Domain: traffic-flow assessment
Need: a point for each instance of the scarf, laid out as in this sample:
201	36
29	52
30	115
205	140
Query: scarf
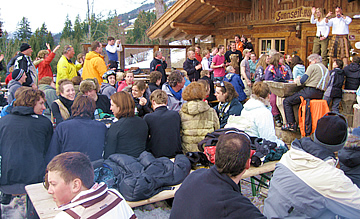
177	95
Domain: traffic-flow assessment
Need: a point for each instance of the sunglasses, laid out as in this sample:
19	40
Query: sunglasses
240	132
221	84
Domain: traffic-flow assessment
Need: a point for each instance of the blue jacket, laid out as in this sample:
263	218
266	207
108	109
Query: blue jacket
236	81
78	134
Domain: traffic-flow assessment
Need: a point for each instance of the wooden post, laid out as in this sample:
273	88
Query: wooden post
193	42
122	58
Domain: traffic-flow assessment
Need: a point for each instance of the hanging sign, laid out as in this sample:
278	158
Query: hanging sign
295	14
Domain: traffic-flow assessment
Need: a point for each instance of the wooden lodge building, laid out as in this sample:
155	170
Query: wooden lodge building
283	25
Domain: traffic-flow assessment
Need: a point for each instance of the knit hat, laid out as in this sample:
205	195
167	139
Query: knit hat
24	46
17	74
331	131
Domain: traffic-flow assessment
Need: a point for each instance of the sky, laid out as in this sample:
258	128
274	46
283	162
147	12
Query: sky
54	13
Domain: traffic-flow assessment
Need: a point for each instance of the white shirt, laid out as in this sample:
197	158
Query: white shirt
340	26
113	48
323	28
205	64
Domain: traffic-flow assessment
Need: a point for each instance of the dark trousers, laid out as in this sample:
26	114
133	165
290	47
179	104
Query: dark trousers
335	103
306	93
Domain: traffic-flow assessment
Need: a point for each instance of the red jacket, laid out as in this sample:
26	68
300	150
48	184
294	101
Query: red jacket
44	68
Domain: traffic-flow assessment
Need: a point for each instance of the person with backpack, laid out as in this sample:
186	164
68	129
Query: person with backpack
334	91
315	81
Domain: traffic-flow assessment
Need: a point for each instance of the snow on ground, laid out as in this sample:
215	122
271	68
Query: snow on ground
178	57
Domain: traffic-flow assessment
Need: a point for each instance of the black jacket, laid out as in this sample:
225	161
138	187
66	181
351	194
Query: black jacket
25	138
159	65
24	62
206	193
211	96
143	177
352	74
189	67
126	136
103	103
56	110
142	110
153	86
339	78
164	132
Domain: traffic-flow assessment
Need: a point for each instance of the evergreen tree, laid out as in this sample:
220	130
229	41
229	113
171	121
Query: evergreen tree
67	31
142	23
23	30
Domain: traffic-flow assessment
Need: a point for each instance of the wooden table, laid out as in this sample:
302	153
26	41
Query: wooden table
46	207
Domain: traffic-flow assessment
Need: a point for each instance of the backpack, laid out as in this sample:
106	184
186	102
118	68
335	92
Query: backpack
310	111
261	150
208	145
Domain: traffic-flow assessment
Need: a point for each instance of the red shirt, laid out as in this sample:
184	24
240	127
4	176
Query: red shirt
198	57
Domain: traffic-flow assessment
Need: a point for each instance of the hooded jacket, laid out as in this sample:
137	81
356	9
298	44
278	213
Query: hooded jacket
256	120
50	95
352	74
12	86
173	103
107	89
25	138
307	184
94	66
236	81
197	119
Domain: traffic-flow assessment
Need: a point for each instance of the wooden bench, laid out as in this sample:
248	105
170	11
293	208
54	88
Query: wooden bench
46	207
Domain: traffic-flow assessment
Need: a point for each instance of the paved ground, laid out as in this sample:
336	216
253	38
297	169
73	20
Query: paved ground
159	210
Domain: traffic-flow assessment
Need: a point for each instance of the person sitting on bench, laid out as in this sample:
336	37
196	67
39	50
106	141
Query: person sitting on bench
315	80
70	180
214	192
306	182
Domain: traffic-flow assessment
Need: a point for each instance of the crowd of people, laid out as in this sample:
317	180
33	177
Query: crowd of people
55	127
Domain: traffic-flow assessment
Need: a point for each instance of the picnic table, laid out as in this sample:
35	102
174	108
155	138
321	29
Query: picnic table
46	207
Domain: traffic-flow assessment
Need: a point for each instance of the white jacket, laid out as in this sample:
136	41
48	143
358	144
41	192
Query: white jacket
256	120
100	202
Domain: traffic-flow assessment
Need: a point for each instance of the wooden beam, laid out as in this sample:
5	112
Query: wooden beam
228	9
189	26
198	32
229	3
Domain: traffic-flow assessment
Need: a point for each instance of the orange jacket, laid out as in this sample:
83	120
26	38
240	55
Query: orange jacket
94	66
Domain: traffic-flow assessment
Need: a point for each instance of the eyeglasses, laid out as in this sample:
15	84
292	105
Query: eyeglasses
221	84
240	132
